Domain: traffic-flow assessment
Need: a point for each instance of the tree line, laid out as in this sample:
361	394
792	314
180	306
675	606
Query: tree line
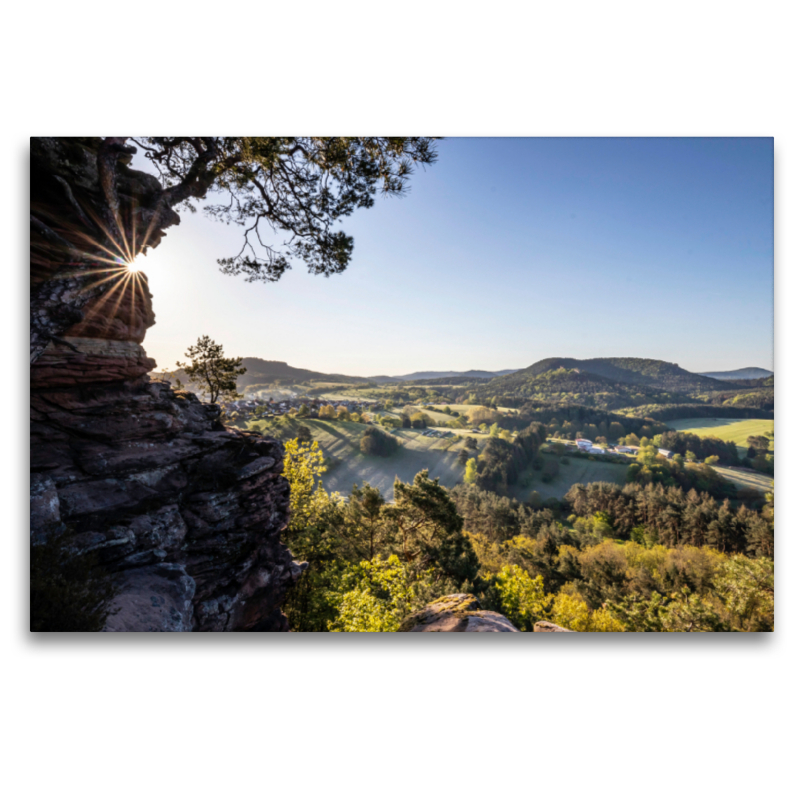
501	462
670	516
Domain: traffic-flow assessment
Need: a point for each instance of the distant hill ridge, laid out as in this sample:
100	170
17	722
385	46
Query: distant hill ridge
744	374
262	371
592	374
611	375
423	376
643	371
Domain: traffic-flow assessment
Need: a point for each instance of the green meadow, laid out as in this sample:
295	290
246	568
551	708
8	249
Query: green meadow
747	479
729	430
578	470
348	465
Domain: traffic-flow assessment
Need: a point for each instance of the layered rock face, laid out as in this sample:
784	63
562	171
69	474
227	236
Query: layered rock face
185	513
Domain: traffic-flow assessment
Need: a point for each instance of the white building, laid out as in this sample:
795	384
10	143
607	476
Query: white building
583	444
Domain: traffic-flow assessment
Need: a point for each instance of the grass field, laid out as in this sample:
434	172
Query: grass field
729	430
747	480
333	397
579	470
460	407
436	416
340	442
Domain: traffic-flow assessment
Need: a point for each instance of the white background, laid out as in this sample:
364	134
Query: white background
384	717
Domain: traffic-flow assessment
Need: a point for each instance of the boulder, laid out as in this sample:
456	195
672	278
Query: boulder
462	613
543	626
456	613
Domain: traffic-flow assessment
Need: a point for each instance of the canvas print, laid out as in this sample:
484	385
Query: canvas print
401	384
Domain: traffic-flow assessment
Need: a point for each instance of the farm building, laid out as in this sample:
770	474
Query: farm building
583	444
665	453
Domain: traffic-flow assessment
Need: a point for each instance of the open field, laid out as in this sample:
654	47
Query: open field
340	442
436	416
460	407
579	470
333	397
746	479
729	430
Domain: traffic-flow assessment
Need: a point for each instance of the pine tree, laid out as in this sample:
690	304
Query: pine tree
211	371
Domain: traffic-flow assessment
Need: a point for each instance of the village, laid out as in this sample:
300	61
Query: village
267	408
587	446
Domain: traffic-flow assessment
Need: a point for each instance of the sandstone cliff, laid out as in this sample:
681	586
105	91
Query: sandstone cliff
187	514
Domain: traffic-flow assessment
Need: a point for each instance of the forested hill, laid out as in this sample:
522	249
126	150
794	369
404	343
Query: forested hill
745	374
608	383
422	376
261	371
660	375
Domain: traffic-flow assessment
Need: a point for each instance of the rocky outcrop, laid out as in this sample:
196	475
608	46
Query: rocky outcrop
462	613
90	213
543	626
185	513
456	613
151	482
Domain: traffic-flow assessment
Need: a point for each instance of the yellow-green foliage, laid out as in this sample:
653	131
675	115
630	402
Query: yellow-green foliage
523	598
491	554
471	471
569	610
360	610
302	466
615	586
378	594
524	601
747	587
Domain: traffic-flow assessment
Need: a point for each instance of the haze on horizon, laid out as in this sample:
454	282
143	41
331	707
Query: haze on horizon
505	252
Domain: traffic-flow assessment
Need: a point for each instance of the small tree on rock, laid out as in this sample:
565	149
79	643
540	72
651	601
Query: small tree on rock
214	374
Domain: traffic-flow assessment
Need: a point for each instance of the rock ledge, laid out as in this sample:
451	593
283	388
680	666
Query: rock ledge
456	613
462	613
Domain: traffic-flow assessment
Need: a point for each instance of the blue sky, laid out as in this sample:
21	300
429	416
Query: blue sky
505	252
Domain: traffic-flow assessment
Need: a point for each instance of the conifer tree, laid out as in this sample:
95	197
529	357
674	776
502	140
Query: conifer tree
211	371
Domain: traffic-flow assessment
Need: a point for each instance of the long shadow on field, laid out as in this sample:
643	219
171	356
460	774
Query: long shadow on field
332	430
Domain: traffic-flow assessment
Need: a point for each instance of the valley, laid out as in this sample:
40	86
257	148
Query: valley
456	406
